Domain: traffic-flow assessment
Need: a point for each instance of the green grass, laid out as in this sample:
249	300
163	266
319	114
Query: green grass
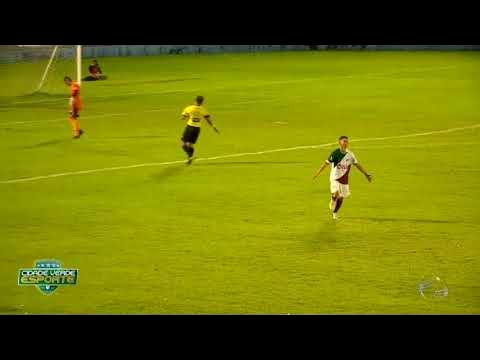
248	234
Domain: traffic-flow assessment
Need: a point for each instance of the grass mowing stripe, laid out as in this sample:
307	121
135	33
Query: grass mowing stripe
305	147
265	83
130	113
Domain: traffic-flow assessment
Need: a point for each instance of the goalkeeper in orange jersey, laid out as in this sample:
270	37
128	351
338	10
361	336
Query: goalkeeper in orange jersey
76	105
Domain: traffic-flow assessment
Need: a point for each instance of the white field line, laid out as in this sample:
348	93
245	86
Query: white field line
265	83
416	146
446	131
155	164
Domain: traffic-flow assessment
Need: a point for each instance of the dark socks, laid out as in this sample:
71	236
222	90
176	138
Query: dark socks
188	150
338	205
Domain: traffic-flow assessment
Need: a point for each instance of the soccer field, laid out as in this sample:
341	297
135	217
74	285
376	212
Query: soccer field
245	229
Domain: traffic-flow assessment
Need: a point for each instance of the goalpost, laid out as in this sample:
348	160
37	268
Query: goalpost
79	64
53	57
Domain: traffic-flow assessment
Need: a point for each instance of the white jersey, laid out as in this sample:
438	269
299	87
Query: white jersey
341	165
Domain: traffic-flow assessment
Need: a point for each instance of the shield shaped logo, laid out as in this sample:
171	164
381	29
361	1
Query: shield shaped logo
47	276
47	264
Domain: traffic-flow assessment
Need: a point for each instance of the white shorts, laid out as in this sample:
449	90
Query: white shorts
343	190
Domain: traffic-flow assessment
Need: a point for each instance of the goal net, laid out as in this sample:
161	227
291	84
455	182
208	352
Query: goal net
38	69
50	70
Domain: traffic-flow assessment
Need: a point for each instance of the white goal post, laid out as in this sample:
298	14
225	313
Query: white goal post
55	51
79	64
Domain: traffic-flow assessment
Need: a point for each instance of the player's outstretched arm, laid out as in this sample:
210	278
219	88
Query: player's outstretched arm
321	170
211	124
364	172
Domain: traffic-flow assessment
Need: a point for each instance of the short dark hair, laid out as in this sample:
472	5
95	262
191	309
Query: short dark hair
67	78
199	99
343	138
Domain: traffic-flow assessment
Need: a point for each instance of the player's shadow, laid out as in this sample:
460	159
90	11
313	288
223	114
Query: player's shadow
135	137
323	239
45	143
418	221
169	172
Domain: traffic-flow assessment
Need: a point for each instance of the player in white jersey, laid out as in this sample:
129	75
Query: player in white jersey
341	161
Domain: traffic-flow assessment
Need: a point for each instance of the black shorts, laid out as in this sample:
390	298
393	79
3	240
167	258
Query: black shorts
191	134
